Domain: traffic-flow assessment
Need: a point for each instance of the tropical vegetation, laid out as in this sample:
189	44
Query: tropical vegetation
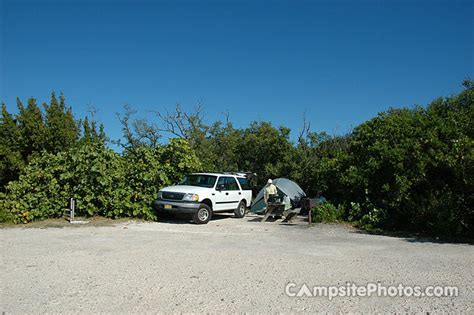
408	169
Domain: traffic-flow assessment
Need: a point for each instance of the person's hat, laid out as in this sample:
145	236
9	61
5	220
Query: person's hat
270	181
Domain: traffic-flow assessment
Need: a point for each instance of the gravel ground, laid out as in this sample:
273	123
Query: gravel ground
229	265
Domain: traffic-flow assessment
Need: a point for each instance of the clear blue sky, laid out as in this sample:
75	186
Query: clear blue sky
340	61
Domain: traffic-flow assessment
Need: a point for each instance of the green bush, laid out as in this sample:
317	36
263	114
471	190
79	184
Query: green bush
5	214
327	212
417	165
102	182
366	216
90	174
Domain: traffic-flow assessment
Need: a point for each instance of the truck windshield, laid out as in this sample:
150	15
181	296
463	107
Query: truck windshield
207	181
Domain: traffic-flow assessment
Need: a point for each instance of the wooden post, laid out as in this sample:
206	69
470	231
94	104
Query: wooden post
73	208
310	214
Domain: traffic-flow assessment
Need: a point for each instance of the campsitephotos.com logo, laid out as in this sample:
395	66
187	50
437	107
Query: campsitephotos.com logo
351	289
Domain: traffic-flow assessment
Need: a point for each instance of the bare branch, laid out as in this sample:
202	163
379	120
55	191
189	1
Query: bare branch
137	132
92	110
182	124
303	135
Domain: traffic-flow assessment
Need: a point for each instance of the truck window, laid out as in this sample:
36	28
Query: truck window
199	180
231	183
221	182
244	183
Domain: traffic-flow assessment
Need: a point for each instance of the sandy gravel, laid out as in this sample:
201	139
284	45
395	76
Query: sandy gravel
229	265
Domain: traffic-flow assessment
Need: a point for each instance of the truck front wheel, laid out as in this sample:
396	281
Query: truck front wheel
203	214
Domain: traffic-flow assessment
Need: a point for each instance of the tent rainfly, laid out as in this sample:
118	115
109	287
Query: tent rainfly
285	187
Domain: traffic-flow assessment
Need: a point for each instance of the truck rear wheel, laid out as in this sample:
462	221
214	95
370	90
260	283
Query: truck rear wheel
240	211
203	214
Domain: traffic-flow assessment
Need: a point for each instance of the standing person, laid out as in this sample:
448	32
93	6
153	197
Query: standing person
270	191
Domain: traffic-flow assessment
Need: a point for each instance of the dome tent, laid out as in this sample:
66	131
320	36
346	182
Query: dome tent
285	187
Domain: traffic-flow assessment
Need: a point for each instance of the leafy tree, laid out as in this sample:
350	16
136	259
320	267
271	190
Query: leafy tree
223	148
62	131
265	150
415	165
319	162
32	128
31	131
90	132
11	160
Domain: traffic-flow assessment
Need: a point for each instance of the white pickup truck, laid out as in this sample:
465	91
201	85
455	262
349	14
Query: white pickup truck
202	194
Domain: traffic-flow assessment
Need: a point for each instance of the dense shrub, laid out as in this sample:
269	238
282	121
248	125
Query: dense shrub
102	182
327	212
411	169
366	216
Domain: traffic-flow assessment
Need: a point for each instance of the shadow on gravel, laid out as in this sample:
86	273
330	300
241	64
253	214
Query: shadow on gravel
299	221
440	241
417	238
259	219
186	219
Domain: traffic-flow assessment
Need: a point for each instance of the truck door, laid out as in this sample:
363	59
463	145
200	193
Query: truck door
234	193
226	194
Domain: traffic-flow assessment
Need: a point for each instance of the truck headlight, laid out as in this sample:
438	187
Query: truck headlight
191	197
160	195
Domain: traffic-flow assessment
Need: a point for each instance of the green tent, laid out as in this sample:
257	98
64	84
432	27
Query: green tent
285	187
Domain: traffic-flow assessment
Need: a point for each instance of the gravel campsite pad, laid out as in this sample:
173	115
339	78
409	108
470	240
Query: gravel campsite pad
228	265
